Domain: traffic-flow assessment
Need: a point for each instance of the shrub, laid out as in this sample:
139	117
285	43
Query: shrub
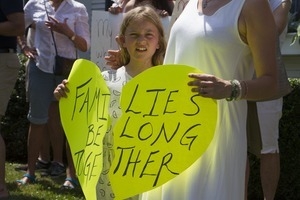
14	125
289	142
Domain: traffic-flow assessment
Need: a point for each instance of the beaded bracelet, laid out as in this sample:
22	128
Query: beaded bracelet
236	91
244	89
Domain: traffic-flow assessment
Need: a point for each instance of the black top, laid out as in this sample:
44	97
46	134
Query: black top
7	7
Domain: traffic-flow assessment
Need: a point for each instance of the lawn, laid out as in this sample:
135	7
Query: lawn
45	187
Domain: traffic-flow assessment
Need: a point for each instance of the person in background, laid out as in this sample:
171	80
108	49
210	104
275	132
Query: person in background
269	114
163	7
280	18
68	19
26	44
11	25
143	45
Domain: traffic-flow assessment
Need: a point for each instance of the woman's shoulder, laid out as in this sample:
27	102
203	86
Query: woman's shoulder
255	10
256	6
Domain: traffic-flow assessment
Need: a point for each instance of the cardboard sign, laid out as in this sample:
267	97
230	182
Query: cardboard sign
163	130
84	116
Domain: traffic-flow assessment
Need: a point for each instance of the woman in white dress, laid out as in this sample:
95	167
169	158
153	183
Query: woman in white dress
224	39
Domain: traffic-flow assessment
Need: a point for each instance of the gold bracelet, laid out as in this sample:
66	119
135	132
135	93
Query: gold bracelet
244	89
73	37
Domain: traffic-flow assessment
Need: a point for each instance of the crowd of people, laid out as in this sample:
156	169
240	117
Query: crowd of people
226	39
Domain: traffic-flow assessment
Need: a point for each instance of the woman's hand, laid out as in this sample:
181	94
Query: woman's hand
210	86
113	59
29	52
162	13
61	90
59	27
115	9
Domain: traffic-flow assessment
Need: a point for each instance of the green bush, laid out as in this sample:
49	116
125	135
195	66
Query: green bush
15	128
14	125
289	143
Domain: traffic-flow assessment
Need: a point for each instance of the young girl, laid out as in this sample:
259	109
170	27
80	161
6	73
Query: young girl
142	45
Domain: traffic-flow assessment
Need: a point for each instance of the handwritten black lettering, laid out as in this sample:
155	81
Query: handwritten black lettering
121	157
170	100
197	108
165	161
85	159
128	109
85	102
163	130
191	138
123	134
157	91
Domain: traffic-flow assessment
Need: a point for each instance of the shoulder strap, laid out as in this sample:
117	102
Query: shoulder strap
50	29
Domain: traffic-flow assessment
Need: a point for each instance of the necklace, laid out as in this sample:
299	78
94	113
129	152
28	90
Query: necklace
204	4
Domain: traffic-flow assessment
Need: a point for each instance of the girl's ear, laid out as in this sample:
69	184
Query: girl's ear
120	40
157	46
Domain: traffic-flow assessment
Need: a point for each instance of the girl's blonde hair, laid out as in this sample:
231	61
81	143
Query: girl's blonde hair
145	12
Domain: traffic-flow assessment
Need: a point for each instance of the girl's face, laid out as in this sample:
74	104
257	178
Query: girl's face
141	40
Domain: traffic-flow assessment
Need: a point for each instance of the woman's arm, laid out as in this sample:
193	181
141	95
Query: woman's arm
281	15
257	26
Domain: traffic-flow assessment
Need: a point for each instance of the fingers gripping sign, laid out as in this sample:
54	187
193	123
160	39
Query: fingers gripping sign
84	115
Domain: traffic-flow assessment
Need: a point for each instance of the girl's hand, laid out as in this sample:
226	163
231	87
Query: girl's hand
210	86
61	90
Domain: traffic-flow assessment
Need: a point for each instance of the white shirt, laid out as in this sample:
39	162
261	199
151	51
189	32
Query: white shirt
77	21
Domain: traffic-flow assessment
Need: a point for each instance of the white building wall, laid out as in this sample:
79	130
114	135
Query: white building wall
97	4
291	57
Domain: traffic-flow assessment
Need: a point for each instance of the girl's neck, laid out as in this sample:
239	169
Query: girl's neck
134	69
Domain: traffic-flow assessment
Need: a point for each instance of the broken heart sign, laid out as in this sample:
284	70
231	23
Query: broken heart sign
164	129
84	116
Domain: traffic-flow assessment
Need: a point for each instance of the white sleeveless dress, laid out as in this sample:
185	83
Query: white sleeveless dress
212	44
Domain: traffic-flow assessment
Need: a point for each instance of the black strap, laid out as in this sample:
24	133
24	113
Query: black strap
50	29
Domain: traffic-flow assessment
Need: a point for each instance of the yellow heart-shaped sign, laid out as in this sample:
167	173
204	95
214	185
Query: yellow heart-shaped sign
164	128
84	116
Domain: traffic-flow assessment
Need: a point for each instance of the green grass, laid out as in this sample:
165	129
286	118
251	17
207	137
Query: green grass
44	188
